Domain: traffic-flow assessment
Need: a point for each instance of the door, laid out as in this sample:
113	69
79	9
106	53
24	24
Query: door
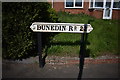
107	13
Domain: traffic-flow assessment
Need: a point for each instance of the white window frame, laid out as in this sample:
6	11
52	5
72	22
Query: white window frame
113	7
74	4
103	5
94	4
52	3
90	4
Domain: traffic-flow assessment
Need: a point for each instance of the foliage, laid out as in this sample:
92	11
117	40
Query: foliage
18	40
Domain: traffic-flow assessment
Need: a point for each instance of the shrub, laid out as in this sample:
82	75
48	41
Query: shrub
18	39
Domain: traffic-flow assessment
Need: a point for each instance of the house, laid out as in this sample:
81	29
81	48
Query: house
103	9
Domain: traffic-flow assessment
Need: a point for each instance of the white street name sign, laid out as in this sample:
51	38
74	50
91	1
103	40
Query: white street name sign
60	27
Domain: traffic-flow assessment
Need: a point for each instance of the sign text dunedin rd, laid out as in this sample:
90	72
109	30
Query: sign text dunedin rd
60	27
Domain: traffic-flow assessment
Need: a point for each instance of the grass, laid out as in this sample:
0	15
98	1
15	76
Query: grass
65	44
103	38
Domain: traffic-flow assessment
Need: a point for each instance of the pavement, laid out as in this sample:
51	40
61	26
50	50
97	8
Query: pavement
103	67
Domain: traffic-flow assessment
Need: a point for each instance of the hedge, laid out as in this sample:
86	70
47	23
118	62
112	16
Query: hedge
18	39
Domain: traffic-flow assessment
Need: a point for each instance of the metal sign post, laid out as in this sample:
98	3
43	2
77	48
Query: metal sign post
82	51
39	36
61	27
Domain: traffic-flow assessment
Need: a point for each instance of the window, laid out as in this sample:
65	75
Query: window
96	3
91	3
74	4
116	4
108	4
78	3
69	3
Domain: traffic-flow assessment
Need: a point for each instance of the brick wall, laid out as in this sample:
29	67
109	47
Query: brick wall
58	6
116	14
98	13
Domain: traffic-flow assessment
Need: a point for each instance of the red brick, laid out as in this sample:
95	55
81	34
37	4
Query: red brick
98	13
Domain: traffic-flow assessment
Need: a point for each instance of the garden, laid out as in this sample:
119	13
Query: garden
19	41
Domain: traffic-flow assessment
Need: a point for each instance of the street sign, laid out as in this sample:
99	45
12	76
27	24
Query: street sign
60	27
